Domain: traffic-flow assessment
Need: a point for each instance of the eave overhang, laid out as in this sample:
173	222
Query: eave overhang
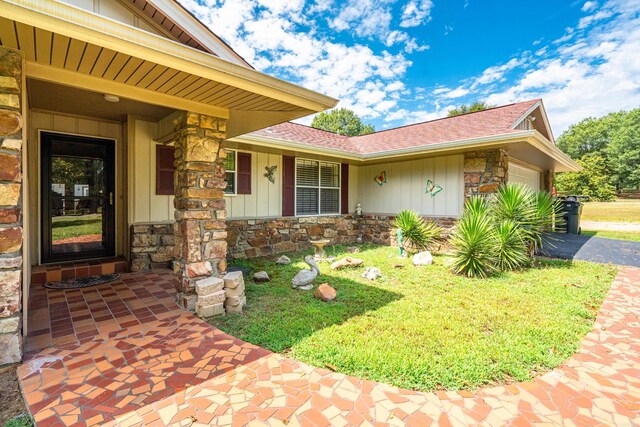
60	41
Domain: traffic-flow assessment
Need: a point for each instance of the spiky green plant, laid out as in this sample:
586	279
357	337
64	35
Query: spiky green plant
474	241
544	212
417	233
513	202
512	250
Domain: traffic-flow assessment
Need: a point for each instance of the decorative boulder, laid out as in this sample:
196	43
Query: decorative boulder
325	293
261	276
283	260
422	258
346	262
372	273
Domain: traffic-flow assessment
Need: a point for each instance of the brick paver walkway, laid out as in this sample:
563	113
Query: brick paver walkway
178	369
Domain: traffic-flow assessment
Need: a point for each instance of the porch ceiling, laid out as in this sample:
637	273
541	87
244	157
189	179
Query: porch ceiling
70	46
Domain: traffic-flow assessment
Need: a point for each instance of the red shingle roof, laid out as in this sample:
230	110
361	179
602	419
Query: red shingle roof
487	123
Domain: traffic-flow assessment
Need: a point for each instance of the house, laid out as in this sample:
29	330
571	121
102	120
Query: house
131	135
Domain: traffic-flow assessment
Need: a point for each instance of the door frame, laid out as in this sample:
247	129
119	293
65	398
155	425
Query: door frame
45	187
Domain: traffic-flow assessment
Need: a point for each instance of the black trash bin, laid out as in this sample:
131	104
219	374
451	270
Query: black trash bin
571	212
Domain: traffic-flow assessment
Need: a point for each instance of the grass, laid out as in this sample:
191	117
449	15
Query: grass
633	236
65	227
619	211
425	328
22	420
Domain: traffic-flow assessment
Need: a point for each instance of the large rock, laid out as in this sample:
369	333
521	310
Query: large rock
283	260
261	277
346	262
422	258
325	293
233	279
372	273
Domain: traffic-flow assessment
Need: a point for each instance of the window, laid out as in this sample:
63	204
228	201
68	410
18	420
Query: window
230	166
164	169
317	187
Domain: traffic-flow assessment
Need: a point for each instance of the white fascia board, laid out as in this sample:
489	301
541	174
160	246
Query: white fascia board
545	119
426	149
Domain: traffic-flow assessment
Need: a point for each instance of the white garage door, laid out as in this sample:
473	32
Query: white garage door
522	175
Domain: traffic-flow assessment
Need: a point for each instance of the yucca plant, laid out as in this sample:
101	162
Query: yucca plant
512	250
544	213
417	233
474	240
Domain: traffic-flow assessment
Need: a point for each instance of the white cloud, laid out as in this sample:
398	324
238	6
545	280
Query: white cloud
589	6
415	13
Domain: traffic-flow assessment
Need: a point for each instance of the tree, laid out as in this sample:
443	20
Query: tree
464	108
624	151
615	137
592	181
342	121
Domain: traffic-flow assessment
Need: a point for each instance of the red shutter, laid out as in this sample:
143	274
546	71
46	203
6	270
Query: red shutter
164	169
288	185
244	173
344	188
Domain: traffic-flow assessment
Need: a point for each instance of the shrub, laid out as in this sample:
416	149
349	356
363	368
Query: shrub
504	232
417	234
512	250
474	240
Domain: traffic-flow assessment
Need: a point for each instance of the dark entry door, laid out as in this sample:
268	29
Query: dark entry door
78	220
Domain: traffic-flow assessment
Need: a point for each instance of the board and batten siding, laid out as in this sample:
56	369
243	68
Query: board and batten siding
406	187
265	199
75	125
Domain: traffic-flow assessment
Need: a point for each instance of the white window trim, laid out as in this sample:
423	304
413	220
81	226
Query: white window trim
319	188
235	174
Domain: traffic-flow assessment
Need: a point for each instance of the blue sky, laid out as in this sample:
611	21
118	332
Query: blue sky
403	61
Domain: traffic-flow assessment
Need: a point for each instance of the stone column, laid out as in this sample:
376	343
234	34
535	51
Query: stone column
547	180
11	123
484	171
200	229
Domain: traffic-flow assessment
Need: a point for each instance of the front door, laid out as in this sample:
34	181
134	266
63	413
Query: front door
78	220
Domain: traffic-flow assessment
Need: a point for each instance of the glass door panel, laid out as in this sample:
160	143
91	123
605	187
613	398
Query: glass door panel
78	206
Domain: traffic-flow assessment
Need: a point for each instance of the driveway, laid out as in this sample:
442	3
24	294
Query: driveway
594	249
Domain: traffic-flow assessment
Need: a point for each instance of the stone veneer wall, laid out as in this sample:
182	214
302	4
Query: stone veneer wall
11	123
260	237
484	171
151	245
379	228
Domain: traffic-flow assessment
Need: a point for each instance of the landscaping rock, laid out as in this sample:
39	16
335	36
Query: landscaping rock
352	249
233	279
346	262
210	310
325	293
283	260
372	273
422	258
261	276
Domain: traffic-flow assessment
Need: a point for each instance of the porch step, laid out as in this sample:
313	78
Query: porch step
74	270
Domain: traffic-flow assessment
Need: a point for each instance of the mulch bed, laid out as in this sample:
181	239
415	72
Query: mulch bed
11	403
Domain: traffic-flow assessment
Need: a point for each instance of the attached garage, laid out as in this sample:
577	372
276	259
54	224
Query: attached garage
519	174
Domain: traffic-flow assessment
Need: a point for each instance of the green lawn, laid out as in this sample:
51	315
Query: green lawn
65	227
425	328
633	236
619	211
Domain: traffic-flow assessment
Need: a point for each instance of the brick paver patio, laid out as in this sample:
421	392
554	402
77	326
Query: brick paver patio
163	366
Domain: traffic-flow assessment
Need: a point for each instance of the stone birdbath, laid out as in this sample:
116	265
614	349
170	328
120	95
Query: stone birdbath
320	244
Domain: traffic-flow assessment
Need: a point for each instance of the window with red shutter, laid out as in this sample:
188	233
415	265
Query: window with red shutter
288	185
244	173
344	188
165	155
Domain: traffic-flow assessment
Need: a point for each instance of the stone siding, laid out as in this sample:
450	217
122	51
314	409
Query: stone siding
151	246
484	171
11	128
379	229
260	237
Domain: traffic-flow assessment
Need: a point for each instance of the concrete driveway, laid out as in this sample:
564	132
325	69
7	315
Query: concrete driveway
594	249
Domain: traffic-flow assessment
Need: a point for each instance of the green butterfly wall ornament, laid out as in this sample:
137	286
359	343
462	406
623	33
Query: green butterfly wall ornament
432	188
381	178
271	173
